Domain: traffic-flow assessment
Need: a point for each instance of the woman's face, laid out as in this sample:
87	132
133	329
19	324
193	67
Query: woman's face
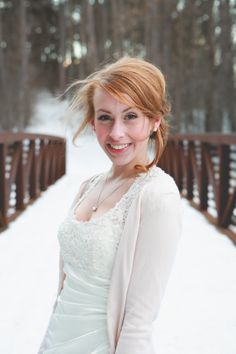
122	131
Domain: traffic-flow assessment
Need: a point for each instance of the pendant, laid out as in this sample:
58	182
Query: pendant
94	208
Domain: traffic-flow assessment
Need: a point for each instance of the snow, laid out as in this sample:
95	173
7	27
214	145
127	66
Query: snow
198	313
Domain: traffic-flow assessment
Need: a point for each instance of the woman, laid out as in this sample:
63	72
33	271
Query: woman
119	239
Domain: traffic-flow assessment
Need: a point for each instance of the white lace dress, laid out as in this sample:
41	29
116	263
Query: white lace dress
78	323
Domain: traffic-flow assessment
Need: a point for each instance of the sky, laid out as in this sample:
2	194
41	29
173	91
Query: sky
198	312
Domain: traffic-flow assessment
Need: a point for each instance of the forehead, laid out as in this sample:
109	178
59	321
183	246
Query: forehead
103	99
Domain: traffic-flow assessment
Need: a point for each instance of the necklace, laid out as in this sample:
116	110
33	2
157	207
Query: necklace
96	206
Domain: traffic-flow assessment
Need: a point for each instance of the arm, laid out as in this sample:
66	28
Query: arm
159	234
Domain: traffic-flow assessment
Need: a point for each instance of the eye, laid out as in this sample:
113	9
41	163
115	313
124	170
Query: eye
131	116
103	118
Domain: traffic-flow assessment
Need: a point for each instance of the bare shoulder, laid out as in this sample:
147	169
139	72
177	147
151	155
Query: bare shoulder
83	186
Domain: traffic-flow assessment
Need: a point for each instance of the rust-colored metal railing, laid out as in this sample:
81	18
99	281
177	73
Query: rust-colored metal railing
204	168
29	163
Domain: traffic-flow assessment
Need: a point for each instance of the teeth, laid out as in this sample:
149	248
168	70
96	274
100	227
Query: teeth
119	147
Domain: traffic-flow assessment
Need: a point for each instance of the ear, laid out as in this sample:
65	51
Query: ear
157	122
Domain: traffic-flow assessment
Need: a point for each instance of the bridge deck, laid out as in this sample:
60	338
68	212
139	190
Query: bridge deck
198	312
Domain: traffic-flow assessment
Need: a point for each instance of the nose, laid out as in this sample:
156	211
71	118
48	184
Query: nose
117	131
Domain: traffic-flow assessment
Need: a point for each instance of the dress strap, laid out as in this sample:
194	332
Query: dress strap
89	185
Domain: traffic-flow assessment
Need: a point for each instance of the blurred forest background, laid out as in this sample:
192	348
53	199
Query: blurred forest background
46	44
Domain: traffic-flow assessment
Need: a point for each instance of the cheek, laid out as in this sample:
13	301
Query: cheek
140	132
101	132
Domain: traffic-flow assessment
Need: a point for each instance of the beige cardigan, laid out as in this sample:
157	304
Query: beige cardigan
142	265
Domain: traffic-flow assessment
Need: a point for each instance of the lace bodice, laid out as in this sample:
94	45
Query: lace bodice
90	246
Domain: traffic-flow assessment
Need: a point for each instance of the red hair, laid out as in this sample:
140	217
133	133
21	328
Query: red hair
134	82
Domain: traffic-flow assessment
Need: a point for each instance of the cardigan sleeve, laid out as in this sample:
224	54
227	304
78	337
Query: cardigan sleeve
158	237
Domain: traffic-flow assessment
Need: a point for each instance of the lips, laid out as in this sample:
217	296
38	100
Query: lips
118	148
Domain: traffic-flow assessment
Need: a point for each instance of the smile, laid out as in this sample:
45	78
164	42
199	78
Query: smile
118	148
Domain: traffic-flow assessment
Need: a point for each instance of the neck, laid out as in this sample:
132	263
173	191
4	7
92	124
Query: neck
123	172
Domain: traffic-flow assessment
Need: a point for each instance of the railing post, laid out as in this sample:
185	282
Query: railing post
172	159
33	172
179	177
175	161
54	161
63	158
203	179
3	186
223	182
189	172
20	185
44	166
50	156
167	157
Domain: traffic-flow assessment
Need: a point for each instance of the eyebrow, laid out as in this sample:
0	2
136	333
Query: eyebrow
104	110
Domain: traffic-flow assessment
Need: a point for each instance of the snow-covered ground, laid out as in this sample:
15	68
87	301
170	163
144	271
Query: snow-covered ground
198	314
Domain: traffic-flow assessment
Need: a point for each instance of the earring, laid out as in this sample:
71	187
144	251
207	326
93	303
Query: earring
152	134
